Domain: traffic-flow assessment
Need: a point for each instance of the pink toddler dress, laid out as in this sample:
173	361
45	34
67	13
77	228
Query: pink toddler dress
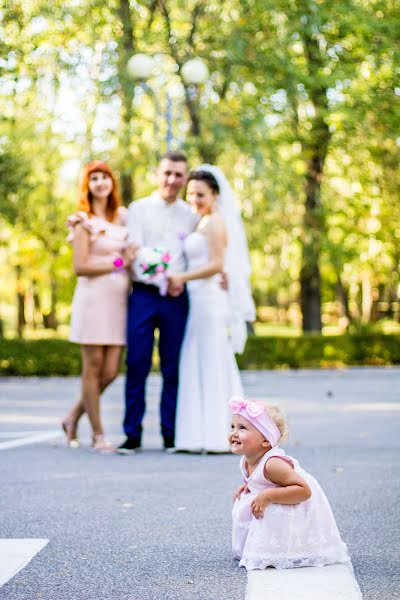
99	306
287	536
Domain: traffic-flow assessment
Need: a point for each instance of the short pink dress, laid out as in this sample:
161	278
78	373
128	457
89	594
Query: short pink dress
99	306
288	535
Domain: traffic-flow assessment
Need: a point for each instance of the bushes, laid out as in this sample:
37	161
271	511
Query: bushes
60	357
39	357
320	351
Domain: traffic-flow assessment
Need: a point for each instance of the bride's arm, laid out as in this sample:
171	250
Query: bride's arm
216	237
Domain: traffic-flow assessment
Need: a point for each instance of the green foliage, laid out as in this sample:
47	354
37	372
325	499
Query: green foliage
289	80
60	357
39	357
320	351
14	172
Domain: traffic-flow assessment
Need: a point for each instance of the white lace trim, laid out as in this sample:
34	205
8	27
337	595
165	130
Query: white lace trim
282	561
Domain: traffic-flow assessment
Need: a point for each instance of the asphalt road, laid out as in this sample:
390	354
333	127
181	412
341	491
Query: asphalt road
156	526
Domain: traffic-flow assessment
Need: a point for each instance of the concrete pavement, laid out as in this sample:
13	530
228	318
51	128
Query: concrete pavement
155	526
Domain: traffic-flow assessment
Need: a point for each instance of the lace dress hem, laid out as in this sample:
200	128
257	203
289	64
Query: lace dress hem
285	562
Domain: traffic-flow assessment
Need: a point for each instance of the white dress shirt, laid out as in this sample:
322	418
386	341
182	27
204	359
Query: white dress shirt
154	223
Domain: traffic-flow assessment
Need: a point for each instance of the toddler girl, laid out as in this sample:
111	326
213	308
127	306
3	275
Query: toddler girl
281	517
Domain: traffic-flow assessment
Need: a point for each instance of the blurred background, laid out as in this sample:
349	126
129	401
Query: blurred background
297	101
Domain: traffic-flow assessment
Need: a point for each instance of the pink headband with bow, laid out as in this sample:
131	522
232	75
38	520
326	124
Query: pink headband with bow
254	412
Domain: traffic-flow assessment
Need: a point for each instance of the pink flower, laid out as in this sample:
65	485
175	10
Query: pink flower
253	409
118	262
160	269
144	266
236	403
166	257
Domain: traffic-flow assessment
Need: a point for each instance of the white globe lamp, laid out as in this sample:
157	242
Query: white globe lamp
194	71
140	66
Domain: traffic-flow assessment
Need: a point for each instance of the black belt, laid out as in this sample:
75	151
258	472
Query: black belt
146	286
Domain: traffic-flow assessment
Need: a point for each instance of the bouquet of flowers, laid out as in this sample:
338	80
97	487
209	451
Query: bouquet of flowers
154	263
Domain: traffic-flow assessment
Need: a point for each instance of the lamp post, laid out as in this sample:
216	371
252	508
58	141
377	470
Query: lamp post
194	72
140	66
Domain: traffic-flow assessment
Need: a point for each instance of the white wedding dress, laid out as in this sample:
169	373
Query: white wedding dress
208	373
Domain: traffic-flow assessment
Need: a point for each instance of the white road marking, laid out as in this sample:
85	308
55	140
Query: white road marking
16	434
16	554
370	406
28	419
32	439
305	583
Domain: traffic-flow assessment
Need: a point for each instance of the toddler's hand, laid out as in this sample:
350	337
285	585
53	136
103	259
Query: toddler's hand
241	489
259	505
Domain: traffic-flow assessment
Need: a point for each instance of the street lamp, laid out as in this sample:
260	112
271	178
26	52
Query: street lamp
194	72
140	66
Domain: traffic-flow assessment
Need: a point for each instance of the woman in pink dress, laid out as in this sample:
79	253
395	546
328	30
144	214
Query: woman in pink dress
101	257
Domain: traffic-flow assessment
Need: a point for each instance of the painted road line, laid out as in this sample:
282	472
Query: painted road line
32	439
16	554
17	434
304	583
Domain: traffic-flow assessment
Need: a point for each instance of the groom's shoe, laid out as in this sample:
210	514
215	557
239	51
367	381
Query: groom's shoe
169	445
129	446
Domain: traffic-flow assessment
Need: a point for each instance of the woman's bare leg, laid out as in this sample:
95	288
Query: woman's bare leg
110	361
92	366
111	364
73	418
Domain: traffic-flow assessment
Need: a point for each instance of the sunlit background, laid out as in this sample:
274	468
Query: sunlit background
298	102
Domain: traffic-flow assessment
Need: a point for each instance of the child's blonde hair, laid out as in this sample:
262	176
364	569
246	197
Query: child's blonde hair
275	413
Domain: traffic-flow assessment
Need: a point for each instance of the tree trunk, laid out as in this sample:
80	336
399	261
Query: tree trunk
21	321
366	297
191	104
207	152
310	278
127	187
390	296
375	298
343	296
316	146
37	310
52	322
1	328
126	48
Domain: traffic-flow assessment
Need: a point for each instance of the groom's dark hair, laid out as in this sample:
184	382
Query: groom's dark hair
175	156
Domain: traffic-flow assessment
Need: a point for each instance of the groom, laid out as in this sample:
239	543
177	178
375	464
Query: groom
160	220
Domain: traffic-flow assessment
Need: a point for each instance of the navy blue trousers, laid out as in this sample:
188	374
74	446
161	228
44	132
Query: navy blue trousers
147	310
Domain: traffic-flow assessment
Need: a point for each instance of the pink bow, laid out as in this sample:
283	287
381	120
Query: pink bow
254	409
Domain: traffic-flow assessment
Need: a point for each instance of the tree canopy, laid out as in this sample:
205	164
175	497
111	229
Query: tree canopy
300	109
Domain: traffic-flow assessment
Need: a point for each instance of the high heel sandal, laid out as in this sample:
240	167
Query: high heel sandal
102	445
70	433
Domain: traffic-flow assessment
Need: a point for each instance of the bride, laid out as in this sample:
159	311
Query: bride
216	326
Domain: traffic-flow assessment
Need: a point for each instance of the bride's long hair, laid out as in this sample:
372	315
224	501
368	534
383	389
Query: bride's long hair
237	259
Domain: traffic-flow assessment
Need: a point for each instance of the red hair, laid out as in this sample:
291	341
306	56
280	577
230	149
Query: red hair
85	196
